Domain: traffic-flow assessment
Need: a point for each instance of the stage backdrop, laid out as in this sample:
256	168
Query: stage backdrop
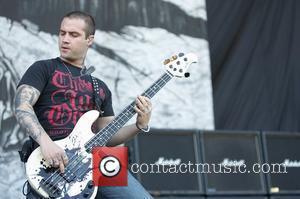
133	38
255	56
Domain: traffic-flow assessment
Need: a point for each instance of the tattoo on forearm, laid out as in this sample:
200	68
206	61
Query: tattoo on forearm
26	97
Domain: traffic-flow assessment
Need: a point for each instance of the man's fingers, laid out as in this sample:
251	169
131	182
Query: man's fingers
144	100
137	110
50	162
139	104
144	104
61	166
55	163
65	159
62	163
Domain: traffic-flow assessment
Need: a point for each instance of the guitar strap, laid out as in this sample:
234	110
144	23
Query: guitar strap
96	95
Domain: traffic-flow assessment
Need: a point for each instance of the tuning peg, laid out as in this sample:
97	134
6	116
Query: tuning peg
167	61
180	54
186	75
174	57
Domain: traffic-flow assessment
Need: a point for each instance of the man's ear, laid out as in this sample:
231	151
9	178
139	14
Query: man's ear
90	40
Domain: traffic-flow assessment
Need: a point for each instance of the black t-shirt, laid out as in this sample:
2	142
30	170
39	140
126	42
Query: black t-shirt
64	96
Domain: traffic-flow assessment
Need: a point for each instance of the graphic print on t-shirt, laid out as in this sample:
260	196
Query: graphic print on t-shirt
71	98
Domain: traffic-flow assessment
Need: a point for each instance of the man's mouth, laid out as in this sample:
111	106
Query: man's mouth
65	48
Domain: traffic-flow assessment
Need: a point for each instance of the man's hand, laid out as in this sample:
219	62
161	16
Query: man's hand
53	154
143	108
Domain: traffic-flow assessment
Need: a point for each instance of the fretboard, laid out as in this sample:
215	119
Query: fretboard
104	135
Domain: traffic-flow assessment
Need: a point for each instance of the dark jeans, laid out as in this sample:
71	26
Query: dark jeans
134	190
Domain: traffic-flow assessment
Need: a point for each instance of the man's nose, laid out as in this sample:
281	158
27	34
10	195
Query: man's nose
66	38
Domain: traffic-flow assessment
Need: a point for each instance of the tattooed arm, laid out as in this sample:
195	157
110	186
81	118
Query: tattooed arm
26	97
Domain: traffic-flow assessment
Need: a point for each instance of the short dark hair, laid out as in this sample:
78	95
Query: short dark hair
88	19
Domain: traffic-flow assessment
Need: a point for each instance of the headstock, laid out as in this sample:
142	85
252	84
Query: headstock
177	65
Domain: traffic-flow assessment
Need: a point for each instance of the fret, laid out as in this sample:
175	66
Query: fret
150	92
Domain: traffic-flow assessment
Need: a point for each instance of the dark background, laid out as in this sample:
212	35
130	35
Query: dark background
255	62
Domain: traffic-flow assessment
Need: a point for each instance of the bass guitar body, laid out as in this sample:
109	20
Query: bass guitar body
76	181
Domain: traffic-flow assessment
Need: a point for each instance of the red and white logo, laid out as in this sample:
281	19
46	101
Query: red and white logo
110	166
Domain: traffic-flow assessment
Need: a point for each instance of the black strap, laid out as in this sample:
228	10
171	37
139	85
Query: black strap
27	148
97	94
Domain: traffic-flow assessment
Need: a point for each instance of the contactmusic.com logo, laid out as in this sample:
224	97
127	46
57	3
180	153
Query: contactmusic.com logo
110	166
